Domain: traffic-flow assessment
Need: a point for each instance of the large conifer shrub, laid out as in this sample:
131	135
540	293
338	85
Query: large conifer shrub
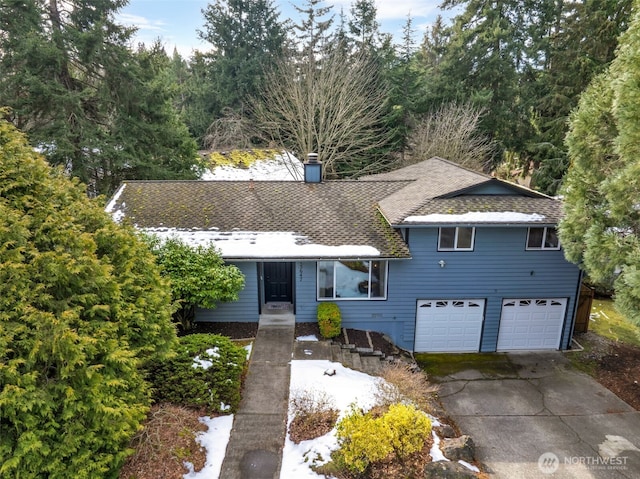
82	305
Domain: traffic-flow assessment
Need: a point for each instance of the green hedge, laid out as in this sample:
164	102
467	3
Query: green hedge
205	371
329	320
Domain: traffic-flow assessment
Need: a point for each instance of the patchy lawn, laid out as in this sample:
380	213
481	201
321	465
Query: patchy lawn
445	364
607	322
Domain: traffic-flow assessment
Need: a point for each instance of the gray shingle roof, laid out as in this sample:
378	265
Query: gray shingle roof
336	219
443	187
546	210
332	213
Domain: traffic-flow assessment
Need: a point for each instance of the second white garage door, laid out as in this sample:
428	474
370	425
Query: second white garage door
530	324
449	325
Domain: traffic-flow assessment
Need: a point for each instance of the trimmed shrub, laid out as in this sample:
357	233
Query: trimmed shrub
366	438
329	320
206	371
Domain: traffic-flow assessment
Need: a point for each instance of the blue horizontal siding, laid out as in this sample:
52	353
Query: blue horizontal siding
243	310
498	268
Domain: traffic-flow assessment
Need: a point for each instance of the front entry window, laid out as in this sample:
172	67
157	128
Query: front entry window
352	280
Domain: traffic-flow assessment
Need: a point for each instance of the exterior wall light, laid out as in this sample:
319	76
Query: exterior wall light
442	263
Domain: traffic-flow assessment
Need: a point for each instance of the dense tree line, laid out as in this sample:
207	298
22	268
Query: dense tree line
107	112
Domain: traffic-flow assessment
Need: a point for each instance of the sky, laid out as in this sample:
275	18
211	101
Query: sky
176	22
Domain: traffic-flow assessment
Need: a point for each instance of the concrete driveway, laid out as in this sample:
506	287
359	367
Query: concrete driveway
542	419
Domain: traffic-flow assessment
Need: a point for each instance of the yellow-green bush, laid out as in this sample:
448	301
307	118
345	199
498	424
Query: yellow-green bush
329	320
365	438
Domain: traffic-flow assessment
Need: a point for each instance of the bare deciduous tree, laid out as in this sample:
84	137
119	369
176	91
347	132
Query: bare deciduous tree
333	106
231	131
451	132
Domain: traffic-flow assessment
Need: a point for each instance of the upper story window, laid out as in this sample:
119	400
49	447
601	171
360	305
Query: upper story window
352	280
457	238
543	238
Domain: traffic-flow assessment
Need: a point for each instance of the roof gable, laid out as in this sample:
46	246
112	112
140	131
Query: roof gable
443	192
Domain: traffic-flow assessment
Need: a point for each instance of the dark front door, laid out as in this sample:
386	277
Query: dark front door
278	282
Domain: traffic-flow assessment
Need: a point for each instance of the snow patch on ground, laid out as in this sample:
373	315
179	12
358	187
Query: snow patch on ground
214	440
311	337
347	387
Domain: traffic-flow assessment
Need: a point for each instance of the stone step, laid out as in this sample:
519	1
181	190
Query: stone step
356	361
371	365
336	353
346	360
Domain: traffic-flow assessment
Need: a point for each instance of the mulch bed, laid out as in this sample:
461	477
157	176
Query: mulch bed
617	366
240	330
235	330
619	371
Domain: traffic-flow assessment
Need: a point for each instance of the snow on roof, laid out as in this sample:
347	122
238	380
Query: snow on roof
117	215
256	244
283	167
479	217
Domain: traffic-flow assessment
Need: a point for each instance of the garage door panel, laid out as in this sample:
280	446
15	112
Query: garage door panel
449	325
527	324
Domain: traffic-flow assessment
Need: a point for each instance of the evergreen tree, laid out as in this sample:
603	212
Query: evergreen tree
88	102
246	36
202	102
313	37
601	229
405	79
579	43
363	26
481	63
82	306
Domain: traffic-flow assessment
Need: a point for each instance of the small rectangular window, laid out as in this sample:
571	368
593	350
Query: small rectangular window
458	238
352	280
540	238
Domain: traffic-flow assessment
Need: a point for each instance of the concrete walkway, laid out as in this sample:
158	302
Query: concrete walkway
540	419
259	427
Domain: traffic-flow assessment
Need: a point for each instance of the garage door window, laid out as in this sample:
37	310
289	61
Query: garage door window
456	238
543	238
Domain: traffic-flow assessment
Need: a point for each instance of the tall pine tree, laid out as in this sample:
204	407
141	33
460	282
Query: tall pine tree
601	229
580	42
246	36
89	103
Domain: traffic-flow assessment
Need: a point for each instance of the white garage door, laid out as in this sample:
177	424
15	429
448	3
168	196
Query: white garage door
531	324
449	325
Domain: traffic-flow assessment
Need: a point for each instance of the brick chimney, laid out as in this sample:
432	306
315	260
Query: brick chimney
312	169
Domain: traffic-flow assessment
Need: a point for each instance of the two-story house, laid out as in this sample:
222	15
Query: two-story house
438	257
